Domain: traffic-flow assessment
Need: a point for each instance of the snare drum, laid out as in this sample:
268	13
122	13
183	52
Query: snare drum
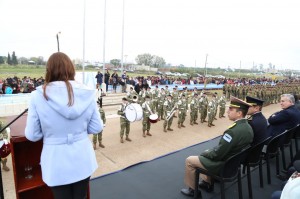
153	118
134	112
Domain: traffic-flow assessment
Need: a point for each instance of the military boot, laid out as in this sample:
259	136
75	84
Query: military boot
165	130
191	123
144	134
101	145
179	125
122	141
127	138
149	134
169	129
195	122
94	146
182	125
5	168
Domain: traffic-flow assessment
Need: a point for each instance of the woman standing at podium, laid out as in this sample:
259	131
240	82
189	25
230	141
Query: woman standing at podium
63	112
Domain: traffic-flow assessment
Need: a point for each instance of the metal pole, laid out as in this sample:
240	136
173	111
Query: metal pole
205	72
57	38
83	44
104	35
240	69
122	38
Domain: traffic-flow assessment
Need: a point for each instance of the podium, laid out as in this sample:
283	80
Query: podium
26	153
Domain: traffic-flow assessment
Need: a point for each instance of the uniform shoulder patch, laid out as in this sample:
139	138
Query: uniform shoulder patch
232	125
227	137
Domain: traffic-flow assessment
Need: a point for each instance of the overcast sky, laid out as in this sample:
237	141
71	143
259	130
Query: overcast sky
180	31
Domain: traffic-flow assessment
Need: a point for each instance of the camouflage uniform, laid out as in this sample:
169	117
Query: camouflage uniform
194	107
155	93
222	103
147	107
211	111
99	135
168	107
125	124
3	135
142	96
203	108
160	105
182	107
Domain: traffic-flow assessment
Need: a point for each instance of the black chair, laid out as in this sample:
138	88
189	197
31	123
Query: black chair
272	151
297	137
229	173
287	142
253	159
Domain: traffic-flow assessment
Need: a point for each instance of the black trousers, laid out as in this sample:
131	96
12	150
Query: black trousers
76	190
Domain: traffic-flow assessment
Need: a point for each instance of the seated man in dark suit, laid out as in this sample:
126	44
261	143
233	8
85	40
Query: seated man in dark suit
285	119
257	120
238	136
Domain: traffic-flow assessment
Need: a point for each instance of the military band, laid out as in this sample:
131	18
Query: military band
167	104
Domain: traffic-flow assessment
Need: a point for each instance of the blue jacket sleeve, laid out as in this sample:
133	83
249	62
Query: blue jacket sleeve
33	130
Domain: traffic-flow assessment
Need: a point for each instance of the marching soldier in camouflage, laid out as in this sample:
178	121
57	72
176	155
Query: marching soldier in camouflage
130	94
169	110
99	135
194	106
184	92
216	105
222	104
160	104
195	91
203	102
142	96
3	135
125	124
167	90
149	93
211	111
175	95
147	107
155	93
183	108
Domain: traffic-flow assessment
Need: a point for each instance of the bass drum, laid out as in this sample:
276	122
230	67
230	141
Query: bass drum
153	118
134	112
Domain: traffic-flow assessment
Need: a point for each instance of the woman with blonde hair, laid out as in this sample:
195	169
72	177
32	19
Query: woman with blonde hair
63	112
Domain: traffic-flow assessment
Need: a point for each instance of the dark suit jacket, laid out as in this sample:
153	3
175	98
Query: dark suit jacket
283	120
259	124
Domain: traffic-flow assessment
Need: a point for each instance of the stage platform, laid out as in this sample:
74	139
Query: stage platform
162	178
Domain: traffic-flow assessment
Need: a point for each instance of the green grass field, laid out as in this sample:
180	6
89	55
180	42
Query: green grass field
38	71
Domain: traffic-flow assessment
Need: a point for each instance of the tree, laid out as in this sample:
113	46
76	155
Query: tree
261	67
145	59
115	62
9	62
158	62
1	60
23	60
14	60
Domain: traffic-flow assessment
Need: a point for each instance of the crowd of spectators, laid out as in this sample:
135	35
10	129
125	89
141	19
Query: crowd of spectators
27	84
19	85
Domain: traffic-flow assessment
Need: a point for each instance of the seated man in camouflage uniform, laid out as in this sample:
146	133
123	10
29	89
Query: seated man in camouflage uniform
238	136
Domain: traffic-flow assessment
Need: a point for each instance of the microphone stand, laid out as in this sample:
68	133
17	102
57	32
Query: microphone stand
1	182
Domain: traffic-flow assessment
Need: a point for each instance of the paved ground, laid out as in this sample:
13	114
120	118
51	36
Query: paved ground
116	156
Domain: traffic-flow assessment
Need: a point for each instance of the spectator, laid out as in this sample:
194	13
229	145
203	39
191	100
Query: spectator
285	119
